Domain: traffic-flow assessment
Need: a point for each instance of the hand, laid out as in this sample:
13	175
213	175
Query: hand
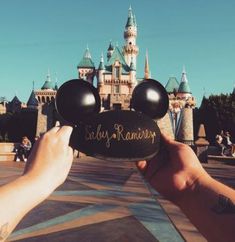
174	170
51	158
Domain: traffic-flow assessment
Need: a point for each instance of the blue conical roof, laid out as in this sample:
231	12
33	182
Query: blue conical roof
32	100
111	47
101	65
15	100
48	84
131	21
172	85
86	61
184	86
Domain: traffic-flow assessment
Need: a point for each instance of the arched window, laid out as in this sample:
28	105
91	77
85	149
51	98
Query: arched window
43	99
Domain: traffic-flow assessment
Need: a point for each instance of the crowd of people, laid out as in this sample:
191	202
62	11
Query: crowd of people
223	141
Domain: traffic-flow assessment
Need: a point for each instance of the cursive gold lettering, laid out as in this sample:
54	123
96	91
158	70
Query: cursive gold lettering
119	134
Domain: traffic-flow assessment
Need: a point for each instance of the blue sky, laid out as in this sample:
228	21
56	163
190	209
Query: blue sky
37	35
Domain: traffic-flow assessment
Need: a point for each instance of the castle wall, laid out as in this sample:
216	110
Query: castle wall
185	134
45	119
165	126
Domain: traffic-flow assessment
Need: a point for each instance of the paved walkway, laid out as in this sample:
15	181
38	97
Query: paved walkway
100	201
106	201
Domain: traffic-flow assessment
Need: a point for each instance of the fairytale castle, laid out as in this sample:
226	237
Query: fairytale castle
116	78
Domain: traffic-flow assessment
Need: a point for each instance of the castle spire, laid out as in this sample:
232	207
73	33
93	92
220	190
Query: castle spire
101	66
184	76
87	53
130	49
130	20
146	68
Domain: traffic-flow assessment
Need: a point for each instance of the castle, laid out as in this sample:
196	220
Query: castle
116	79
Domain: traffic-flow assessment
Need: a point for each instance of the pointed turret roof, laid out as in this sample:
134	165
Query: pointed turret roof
16	100
184	86
101	65
48	84
111	47
146	67
131	21
172	85
86	61
117	55
32	100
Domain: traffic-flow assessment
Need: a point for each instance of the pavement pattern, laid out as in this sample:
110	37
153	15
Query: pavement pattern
106	201
100	201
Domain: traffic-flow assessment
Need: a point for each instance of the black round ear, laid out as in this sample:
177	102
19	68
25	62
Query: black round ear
76	100
150	98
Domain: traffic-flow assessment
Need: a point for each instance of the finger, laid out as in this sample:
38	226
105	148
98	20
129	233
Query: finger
57	124
65	132
141	165
54	129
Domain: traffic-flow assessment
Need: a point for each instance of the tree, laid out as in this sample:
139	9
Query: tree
217	112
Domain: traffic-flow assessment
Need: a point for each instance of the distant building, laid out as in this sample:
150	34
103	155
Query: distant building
181	108
116	79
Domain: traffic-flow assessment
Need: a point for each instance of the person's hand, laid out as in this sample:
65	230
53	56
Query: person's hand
51	158
174	170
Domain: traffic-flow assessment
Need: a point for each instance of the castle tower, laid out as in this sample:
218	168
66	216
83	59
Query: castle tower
186	104
32	101
86	67
184	90
146	67
47	92
130	50
110	50
100	75
46	106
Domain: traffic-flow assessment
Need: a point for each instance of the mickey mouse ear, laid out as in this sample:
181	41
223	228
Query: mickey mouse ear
76	100
150	98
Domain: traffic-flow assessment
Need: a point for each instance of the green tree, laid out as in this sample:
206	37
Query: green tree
217	112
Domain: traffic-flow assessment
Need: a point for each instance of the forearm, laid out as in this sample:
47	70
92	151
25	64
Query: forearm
210	207
18	198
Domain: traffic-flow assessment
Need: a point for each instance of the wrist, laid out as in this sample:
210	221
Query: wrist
194	187
37	185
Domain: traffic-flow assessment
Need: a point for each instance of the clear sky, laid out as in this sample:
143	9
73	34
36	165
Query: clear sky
37	35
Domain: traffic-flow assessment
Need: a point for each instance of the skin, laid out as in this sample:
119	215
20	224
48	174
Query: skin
177	174
47	168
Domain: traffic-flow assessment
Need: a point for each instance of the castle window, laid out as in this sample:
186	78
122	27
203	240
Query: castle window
117	72
116	89
43	99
